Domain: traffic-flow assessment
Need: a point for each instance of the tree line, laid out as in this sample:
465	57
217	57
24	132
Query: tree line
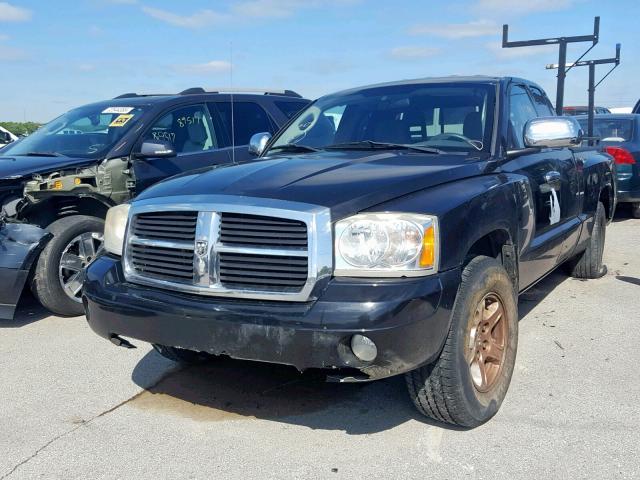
21	128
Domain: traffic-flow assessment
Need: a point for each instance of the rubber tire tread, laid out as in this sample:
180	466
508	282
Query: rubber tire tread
589	263
45	284
435	388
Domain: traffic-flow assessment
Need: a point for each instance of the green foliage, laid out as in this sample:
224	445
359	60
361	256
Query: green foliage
21	128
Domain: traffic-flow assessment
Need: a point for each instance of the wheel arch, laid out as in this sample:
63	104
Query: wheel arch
47	211
495	243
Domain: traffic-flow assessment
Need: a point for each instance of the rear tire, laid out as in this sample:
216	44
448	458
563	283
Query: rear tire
635	210
588	264
466	385
46	284
181	355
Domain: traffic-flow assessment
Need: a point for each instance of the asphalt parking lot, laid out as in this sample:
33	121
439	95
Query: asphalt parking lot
74	406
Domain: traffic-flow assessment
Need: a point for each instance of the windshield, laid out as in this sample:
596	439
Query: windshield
610	130
85	132
441	116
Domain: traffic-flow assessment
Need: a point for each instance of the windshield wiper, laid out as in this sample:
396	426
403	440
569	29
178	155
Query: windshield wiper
41	154
294	147
371	145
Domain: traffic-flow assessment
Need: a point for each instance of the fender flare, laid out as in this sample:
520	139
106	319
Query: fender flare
20	246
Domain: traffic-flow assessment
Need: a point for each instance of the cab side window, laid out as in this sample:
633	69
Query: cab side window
248	119
188	129
542	103
521	110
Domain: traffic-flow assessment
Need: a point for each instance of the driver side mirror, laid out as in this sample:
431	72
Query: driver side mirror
258	143
552	132
156	149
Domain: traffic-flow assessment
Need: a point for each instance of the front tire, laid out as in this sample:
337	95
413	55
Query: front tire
57	280
466	385
635	210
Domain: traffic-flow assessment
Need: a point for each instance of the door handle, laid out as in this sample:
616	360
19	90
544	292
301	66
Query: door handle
553	179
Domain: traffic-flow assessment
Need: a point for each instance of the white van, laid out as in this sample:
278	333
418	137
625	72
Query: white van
6	137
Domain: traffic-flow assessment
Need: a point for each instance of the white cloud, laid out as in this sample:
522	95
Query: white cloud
199	19
86	67
3	37
512	53
283	8
411	52
212	67
10	13
479	28
522	6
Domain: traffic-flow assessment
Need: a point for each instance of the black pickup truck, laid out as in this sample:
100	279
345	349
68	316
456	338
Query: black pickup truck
387	229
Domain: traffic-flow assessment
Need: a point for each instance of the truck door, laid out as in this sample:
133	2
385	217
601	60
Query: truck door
196	138
551	174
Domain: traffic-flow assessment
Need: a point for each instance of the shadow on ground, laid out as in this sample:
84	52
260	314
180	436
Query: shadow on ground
226	389
623	212
28	311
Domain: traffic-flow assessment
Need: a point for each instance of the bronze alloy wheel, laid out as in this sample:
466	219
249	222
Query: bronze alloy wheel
487	336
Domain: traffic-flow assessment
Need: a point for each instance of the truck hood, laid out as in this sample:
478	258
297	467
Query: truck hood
19	166
344	181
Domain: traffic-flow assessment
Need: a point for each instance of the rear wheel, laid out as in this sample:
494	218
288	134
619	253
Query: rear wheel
58	276
180	355
466	385
588	264
635	210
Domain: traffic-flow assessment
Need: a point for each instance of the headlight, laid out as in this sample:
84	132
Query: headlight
114	228
386	245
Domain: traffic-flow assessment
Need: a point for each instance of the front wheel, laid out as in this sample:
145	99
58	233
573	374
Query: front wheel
57	280
466	385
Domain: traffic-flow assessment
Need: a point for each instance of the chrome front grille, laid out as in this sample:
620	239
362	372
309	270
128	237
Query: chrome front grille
179	226
171	264
256	230
258	271
162	245
222	249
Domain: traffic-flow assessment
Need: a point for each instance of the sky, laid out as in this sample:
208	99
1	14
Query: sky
59	54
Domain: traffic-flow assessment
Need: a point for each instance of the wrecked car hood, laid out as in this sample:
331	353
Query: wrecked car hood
344	181
19	166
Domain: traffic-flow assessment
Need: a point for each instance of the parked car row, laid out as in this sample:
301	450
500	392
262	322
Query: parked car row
378	231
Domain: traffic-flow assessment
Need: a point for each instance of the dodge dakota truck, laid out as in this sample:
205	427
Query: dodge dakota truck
385	230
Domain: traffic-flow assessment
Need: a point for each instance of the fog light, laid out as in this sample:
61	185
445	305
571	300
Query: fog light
364	348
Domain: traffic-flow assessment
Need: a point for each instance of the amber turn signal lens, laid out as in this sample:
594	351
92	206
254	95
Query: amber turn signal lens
77	181
428	256
57	185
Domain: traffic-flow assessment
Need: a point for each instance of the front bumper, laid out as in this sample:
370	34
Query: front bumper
20	245
408	319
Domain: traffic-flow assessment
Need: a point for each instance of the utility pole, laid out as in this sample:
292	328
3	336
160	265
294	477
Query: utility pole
562	42
615	61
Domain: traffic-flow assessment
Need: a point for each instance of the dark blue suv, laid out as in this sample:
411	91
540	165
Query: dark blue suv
57	184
